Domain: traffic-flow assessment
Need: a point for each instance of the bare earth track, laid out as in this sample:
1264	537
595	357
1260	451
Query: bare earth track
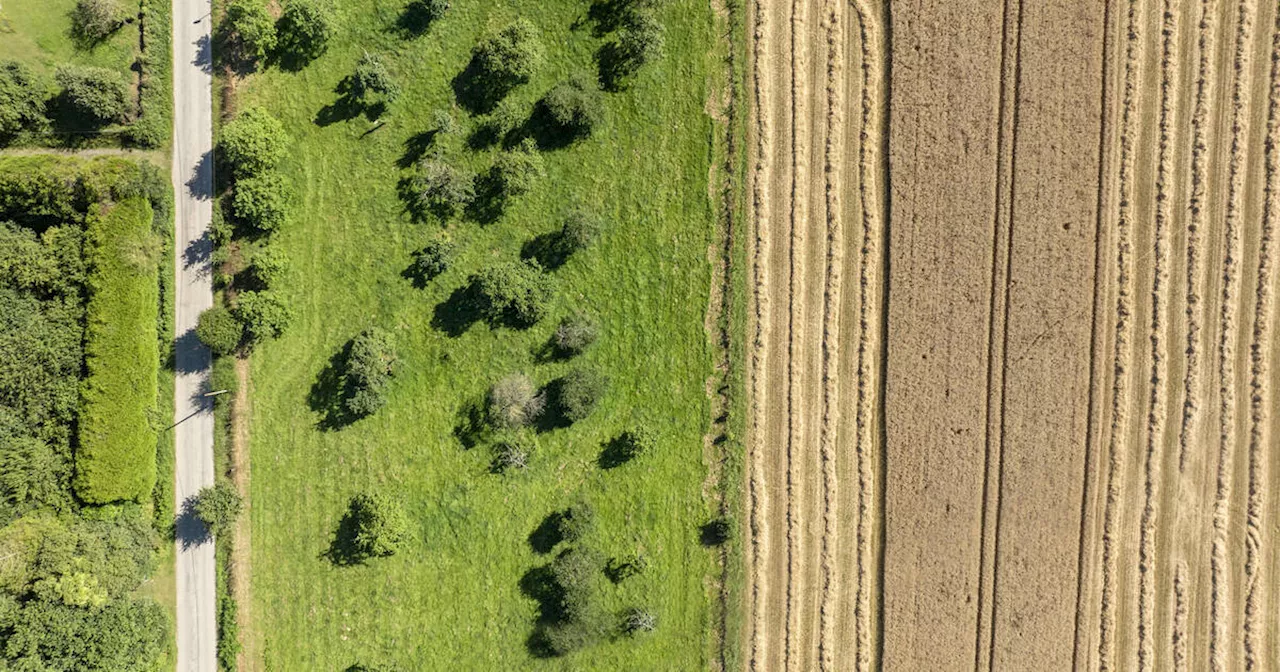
1013	274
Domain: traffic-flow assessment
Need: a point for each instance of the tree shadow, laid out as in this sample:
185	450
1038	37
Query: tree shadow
188	529
489	203
190	354
553	416
613	67
328	395
414	21
613	454
64	119
343	550
476	92
347	107
415	147
546	535
608	15
455	315
472	427
547	249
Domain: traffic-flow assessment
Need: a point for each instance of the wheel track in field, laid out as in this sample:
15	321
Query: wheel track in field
1179	631
1260	364
1227	345
1118	443
1156	413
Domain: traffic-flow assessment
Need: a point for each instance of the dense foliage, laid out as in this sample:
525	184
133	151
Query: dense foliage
379	526
512	292
371	83
263	314
219	329
442	189
578	392
573	107
218	506
574	335
303	31
95	20
433	259
370	365
515	171
506	60
21	98
247	30
96	95
253	142
260	201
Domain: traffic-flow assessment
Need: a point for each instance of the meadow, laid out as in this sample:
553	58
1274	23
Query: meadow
453	599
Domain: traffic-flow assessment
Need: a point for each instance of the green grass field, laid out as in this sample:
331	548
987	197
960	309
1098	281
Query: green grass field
452	601
36	32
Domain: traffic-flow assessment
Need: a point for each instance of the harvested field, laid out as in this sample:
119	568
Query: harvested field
1013	337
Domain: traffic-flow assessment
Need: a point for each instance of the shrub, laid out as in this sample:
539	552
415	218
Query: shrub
641	40
260	201
514	293
218	329
621	569
514	402
511	455
508	58
433	259
218	506
578	392
303	31
270	265
573	107
378	524
371	83
717	532
248	30
21	100
253	142
575	334
515	171
638	620
264	316
370	365
443	122
575	522
442	189
635	442
95	20
97	95
148	131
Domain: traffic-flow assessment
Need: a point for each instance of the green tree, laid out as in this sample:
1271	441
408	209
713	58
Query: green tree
218	506
303	31
575	334
370	365
253	143
515	171
513	293
260	201
420	14
270	265
248	31
264	316
379	527
21	98
573	107
219	329
121	636
507	59
371	83
95	20
635	442
441	189
96	95
578	392
575	522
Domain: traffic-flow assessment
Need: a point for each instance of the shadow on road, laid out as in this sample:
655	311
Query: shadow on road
200	186
190	355
204	54
188	529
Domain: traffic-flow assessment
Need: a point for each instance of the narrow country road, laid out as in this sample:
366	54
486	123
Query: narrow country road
193	187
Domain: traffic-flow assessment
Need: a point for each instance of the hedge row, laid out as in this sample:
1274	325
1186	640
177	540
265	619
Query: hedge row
116	459
152	128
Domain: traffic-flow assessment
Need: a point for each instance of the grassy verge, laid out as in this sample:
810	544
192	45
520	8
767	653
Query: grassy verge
454	599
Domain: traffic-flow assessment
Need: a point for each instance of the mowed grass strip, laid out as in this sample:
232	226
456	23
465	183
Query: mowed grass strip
116	456
38	33
452	600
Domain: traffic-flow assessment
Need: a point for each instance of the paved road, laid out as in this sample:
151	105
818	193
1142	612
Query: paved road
193	187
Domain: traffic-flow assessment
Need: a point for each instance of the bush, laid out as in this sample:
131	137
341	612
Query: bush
269	267
442	189
218	506
578	392
370	365
511	455
575	522
638	620
640	41
379	525
573	107
95	20
97	95
635	442
148	131
218	329
253	143
248	31
514	402
264	316
575	334
303	31
433	259
514	293
717	532
21	99
515	171
371	83
260	201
